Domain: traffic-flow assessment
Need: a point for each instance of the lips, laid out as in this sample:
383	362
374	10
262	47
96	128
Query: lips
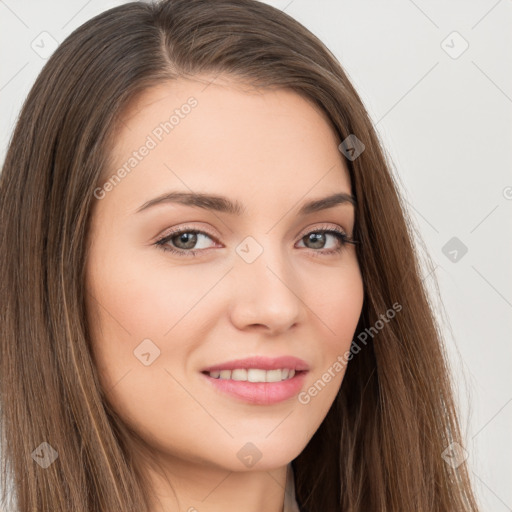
261	362
258	393
249	386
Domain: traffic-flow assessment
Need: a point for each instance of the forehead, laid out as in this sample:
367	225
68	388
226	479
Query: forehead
227	137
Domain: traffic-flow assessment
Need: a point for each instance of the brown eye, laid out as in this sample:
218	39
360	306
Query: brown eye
317	240
185	240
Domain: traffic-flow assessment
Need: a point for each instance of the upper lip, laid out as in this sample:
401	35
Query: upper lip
264	363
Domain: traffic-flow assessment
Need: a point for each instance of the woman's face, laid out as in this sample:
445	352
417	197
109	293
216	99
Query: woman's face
265	282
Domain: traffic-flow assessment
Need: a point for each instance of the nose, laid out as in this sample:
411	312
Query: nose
265	294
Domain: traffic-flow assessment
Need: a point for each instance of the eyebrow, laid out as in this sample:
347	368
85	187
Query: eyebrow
226	205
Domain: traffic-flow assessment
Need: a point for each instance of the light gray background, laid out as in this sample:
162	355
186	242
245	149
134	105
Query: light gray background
445	120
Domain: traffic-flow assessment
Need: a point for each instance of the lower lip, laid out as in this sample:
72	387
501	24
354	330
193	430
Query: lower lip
260	393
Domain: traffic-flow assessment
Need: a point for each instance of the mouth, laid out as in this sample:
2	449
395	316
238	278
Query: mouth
258	380
254	374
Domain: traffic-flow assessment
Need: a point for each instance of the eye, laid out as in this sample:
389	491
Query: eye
185	239
319	237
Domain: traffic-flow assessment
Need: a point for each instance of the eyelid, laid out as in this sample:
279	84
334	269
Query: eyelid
325	226
302	233
186	228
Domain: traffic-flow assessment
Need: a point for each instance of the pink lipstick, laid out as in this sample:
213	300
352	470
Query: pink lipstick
259	380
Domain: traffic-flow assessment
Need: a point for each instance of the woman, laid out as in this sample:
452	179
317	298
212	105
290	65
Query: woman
211	298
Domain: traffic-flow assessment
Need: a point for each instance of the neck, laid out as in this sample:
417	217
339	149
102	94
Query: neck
185	486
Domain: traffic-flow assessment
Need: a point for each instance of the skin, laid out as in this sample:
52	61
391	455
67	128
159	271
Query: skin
272	151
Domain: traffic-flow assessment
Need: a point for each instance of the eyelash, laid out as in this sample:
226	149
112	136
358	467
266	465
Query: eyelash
342	237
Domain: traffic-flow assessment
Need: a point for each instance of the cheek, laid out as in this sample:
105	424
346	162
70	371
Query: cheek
337	307
140	298
132	305
335	297
132	301
340	305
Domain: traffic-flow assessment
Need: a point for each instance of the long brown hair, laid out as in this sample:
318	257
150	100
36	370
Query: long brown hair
380	446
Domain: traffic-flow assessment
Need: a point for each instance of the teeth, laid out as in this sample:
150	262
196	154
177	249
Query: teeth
225	374
239	374
274	376
254	375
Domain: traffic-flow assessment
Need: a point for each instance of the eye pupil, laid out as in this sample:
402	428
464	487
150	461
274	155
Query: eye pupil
189	239
315	238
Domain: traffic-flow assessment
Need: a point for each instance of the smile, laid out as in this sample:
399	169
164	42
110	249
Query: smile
253	374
